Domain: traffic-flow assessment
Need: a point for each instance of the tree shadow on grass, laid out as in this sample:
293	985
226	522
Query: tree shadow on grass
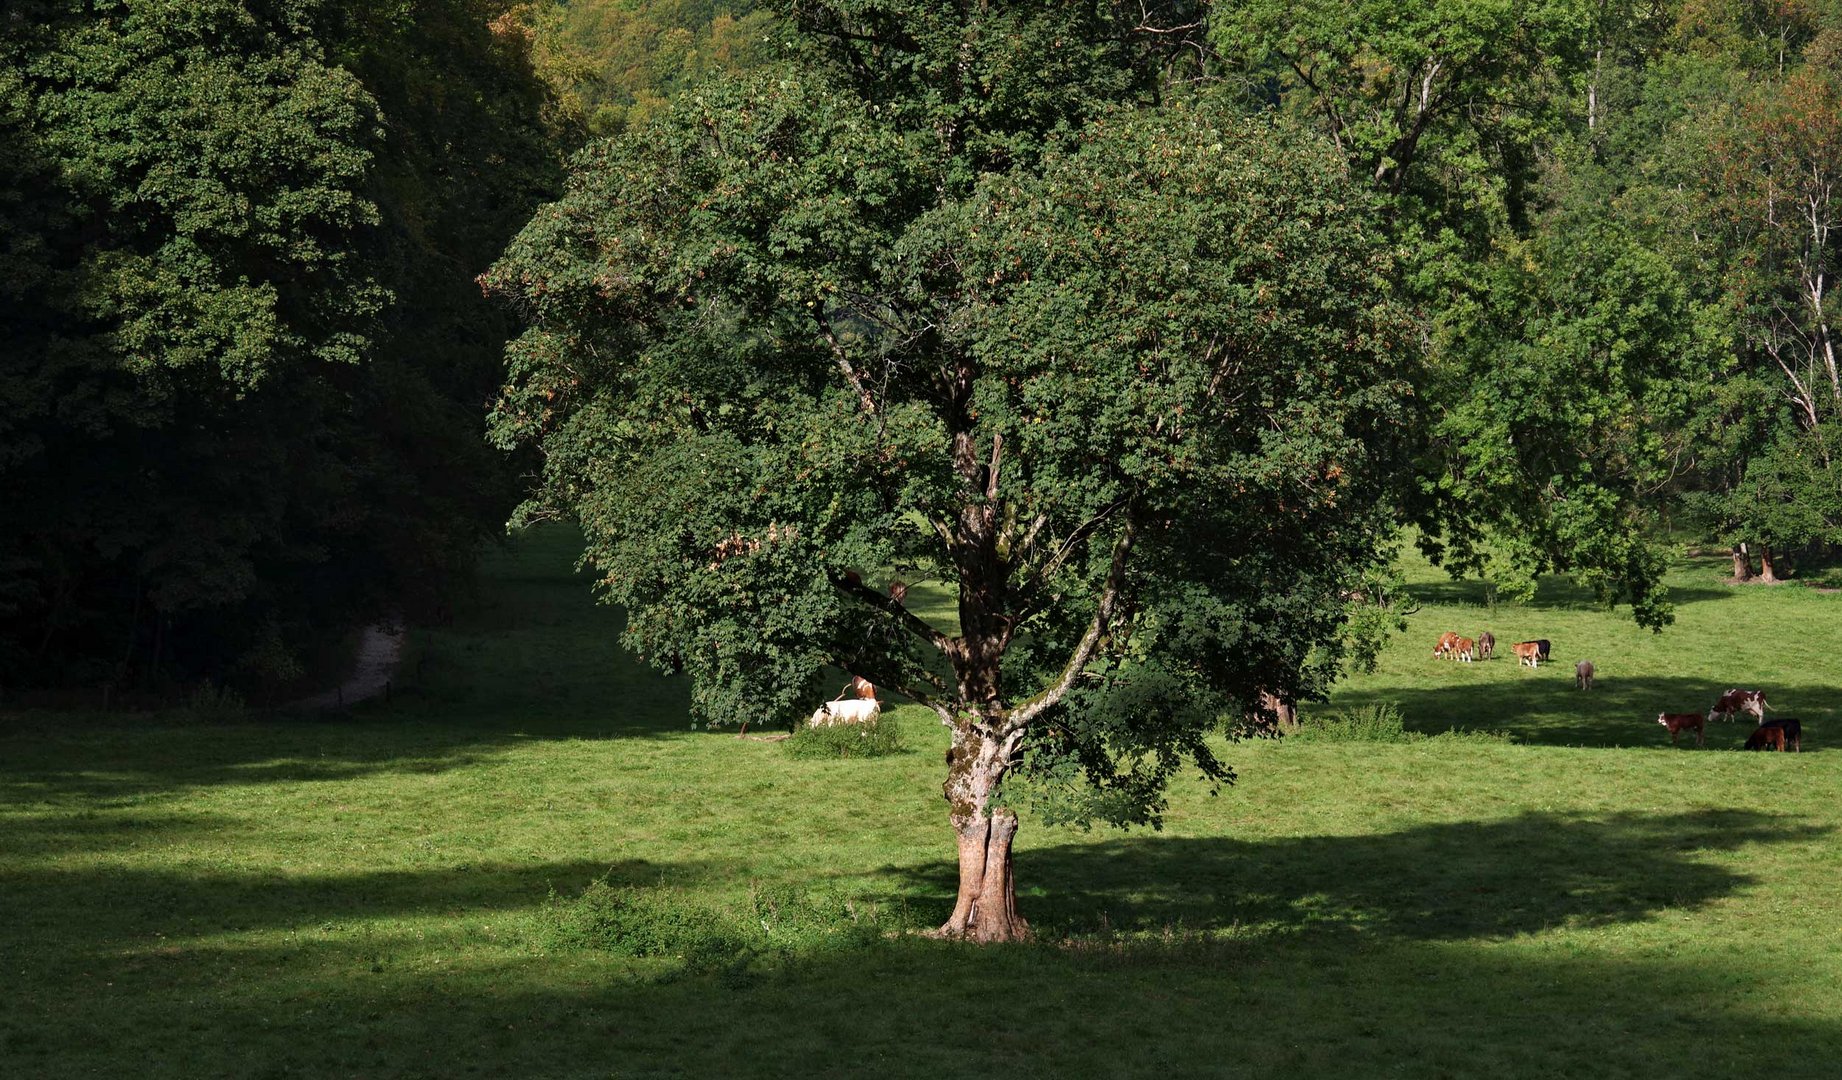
1552	594
1422	952
1449	881
1543	708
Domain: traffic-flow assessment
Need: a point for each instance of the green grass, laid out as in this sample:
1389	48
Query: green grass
1779	638
409	890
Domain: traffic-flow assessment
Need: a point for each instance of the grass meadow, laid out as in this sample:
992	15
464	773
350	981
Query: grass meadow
394	892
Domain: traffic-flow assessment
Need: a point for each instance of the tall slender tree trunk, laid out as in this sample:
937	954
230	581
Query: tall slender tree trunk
1767	573
1742	563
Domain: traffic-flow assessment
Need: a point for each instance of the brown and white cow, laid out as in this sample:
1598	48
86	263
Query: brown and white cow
1734	702
1465	650
1446	641
1529	652
1583	675
1681	721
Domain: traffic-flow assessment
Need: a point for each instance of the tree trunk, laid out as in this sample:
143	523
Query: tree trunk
1742	564
1766	572
986	908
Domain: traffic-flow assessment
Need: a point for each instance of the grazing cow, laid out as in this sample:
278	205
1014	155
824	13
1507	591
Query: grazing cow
1446	641
1734	702
1679	721
859	687
851	711
1542	644
1486	645
1465	650
1583	675
1792	727
1528	652
1766	737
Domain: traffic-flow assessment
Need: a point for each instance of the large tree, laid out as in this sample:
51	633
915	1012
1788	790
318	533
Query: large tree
956	301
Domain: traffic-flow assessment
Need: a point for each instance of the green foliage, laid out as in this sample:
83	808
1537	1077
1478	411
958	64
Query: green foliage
875	738
776	336
1447	101
627	59
244	347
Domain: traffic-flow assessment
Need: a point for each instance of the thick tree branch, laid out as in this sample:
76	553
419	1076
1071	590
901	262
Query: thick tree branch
844	362
914	623
1090	642
1081	532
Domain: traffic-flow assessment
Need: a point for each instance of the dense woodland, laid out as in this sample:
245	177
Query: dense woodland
1144	328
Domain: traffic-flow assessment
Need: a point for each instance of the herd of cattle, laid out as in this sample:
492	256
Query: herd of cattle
1780	733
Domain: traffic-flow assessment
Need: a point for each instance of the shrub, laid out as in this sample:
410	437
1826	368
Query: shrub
627	921
874	739
1380	723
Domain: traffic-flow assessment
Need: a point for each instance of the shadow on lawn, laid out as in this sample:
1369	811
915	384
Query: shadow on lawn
1448	881
1414	952
1553	594
1543	708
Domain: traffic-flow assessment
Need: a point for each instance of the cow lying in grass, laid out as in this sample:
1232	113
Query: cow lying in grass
1790	732
1681	721
1734	702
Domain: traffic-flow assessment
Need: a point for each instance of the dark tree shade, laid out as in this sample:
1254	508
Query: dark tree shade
244	358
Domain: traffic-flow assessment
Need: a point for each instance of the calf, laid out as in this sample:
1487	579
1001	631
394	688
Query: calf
851	711
1734	702
1486	645
1680	721
1446	641
1528	652
1464	650
1583	675
1792	727
1766	736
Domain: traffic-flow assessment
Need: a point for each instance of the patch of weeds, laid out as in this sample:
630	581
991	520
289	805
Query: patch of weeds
211	704
875	738
1382	723
1378	723
1472	735
778	922
627	921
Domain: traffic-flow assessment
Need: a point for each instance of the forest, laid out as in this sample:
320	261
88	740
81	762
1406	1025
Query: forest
247	367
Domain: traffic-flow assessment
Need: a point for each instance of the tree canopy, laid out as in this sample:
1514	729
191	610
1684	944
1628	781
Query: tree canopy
1128	382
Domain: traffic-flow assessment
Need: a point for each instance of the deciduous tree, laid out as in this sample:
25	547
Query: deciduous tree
956	302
